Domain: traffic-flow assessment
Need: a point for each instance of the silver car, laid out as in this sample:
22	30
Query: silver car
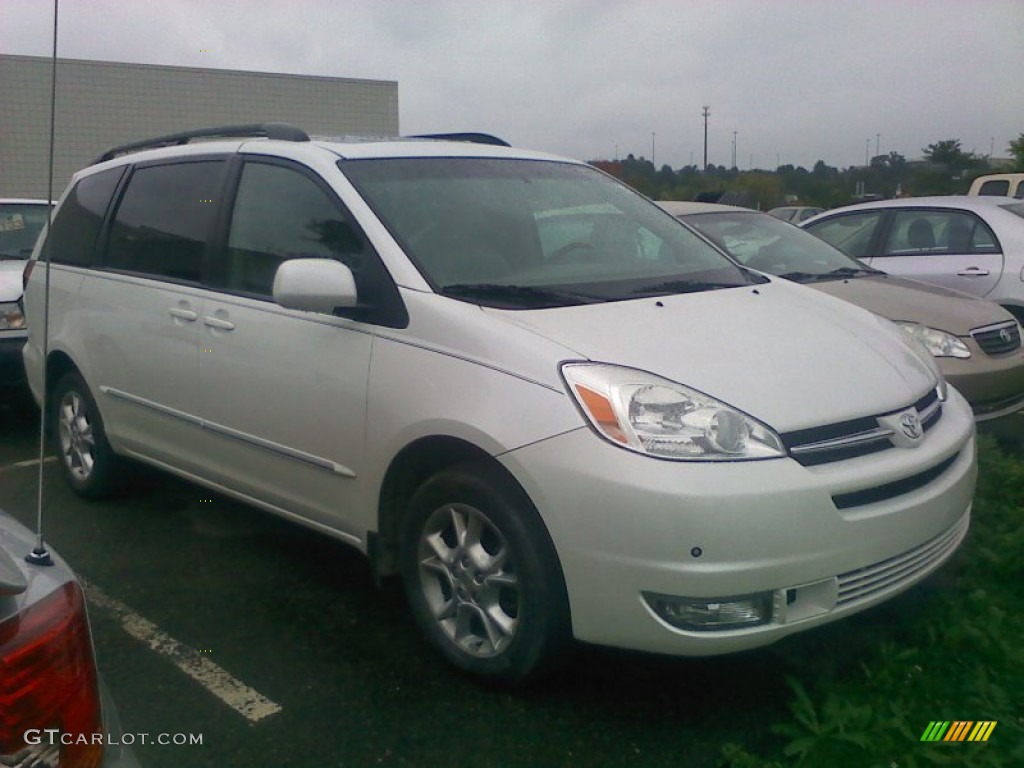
972	244
54	709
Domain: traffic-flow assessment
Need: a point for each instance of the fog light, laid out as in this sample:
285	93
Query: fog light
709	614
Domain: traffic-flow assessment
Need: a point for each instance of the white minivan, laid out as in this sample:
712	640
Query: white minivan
551	407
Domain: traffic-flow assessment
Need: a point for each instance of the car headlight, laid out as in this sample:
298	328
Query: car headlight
11	317
919	351
645	413
938	343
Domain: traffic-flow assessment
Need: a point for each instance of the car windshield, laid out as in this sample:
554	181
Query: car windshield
20	224
762	242
527	234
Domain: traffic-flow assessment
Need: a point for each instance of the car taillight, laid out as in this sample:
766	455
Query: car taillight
48	681
26	273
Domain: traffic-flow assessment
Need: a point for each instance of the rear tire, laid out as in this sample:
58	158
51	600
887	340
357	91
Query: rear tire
482	576
87	461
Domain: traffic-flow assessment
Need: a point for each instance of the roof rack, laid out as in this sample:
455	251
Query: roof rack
280	131
472	138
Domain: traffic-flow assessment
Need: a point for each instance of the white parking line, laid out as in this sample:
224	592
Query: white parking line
27	463
240	697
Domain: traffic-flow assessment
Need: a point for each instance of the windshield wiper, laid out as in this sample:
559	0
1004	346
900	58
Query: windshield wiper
835	274
531	295
854	271
683	286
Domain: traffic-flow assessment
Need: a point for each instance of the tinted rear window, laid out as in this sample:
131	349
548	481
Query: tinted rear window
78	222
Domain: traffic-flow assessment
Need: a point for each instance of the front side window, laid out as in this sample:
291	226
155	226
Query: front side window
915	232
281	214
850	233
522	233
165	219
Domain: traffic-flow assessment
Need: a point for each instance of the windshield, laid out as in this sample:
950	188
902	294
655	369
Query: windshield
20	224
525	233
762	242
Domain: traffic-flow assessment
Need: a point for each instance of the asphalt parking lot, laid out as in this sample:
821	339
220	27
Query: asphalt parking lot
275	646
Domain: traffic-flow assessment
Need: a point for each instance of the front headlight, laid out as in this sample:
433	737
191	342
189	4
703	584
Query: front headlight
938	343
919	351
645	413
11	317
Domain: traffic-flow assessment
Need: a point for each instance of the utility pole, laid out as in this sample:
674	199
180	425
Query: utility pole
734	150
652	150
707	112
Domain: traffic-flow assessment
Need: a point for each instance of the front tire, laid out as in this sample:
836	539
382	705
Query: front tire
482	576
89	464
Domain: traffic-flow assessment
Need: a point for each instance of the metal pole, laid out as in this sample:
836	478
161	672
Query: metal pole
706	113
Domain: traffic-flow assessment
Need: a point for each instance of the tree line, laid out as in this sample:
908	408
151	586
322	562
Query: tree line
946	169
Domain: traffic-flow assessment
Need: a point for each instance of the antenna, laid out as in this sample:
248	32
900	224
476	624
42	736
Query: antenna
39	554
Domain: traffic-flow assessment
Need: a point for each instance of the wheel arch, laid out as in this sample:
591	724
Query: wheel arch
410	468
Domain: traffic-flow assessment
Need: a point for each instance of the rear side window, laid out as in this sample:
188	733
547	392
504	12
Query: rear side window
938	232
1000	188
282	214
78	222
851	233
164	220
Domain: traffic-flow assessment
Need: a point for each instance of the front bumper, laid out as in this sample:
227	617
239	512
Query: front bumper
625	525
992	384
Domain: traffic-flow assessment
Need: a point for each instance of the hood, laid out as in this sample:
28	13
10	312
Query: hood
908	300
782	353
10	279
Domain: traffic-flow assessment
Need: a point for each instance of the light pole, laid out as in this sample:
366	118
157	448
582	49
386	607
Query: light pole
878	144
653	134
706	113
867	151
734	133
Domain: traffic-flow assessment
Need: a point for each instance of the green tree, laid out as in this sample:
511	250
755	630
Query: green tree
950	155
1017	151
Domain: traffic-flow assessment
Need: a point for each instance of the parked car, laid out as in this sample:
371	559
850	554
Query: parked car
970	244
21	221
503	375
54	708
999	185
976	343
794	213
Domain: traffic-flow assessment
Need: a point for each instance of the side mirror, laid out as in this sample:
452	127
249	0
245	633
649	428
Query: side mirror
315	285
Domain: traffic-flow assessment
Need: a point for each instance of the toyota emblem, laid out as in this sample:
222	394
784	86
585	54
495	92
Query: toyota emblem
1005	335
911	425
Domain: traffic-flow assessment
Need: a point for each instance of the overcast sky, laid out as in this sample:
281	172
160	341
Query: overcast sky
797	80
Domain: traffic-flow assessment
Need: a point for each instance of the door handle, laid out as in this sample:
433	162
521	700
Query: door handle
973	272
183	314
220	325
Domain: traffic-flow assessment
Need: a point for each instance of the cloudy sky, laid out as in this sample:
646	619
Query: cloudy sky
792	81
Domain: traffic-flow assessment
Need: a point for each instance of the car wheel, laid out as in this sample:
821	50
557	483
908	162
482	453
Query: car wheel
482	576
88	463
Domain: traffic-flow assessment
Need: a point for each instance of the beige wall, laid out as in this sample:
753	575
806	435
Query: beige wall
101	104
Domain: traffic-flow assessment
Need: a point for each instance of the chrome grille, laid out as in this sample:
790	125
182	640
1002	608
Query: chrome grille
998	339
865	583
857	437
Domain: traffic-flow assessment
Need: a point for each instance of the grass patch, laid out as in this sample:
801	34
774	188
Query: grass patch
957	655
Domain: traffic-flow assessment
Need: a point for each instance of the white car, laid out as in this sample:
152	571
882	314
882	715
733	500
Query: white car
973	244
21	221
551	425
